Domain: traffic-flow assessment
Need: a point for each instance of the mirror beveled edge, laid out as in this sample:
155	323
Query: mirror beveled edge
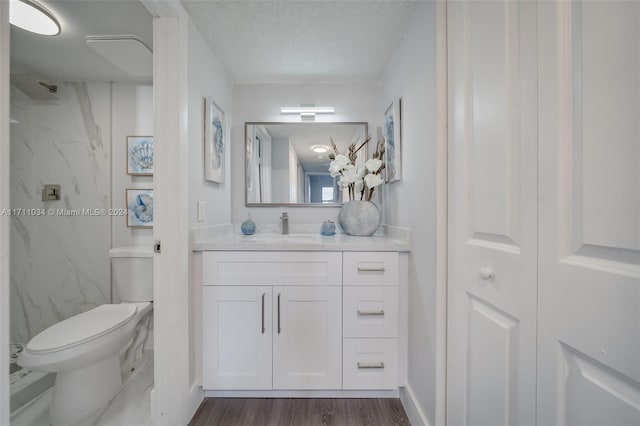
266	123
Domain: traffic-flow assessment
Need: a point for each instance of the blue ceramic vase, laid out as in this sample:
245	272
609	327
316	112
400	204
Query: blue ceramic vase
248	227
328	228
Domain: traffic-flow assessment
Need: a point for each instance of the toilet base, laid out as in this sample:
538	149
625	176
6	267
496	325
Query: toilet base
79	394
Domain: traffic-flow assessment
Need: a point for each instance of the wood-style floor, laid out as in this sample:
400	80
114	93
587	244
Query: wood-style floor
299	412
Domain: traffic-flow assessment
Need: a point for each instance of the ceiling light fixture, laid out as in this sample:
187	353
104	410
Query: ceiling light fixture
320	149
33	17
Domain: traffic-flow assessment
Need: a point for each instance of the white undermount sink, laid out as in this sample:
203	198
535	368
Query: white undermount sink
283	238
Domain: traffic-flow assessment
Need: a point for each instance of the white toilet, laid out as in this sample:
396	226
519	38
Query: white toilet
87	350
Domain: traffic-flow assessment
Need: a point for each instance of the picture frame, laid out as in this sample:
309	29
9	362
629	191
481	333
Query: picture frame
393	141
214	142
140	155
139	207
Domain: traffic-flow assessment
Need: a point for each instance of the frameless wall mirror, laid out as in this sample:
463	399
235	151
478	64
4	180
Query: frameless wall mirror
288	163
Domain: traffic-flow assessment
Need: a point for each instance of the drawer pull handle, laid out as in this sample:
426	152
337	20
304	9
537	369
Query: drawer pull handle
370	313
279	329
361	269
263	329
365	365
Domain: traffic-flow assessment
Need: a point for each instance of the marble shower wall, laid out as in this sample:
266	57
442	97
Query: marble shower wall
59	264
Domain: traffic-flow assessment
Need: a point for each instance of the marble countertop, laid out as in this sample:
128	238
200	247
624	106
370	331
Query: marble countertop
228	239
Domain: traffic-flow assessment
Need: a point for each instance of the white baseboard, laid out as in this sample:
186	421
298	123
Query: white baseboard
302	394
196	395
152	405
412	408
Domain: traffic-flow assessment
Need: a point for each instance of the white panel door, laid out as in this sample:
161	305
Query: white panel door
491	361
589	285
307	342
236	341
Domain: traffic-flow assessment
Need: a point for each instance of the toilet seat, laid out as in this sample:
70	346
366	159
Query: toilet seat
82	328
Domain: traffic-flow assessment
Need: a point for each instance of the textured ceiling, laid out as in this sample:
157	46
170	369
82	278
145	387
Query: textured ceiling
303	41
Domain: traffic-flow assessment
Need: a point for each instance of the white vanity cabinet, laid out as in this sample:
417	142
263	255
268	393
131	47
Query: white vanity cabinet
272	320
370	320
300	320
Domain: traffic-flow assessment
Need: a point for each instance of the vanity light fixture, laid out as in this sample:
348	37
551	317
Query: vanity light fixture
33	17
307	112
307	109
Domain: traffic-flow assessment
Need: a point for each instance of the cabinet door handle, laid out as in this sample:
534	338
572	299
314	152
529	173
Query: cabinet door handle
263	329
366	365
279	329
370	313
361	269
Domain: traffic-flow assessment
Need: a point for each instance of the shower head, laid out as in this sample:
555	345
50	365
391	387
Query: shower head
34	87
51	87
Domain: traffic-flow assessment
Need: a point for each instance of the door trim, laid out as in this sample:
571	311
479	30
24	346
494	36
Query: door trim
176	396
442	211
4	220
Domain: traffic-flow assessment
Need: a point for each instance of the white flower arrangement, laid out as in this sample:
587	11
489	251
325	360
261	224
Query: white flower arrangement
361	181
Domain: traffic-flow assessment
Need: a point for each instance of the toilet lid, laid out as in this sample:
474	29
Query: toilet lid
82	327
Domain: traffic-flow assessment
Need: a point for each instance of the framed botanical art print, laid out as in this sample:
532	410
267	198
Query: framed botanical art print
214	142
140	155
139	208
392	134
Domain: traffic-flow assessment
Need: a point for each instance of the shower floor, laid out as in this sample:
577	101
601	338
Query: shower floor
25	384
15	349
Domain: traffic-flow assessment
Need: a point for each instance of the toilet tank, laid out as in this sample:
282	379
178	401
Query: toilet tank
132	273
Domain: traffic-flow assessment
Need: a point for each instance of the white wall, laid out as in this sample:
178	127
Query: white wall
412	202
131	115
206	78
262	102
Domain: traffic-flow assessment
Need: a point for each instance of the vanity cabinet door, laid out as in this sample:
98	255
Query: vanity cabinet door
237	337
307	337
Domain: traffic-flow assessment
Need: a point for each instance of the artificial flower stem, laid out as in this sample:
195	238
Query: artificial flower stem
366	141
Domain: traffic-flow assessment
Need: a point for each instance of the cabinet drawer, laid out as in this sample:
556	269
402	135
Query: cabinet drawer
370	268
370	364
370	311
271	268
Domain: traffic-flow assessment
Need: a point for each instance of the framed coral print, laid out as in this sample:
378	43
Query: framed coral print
214	142
140	155
392	135
139	208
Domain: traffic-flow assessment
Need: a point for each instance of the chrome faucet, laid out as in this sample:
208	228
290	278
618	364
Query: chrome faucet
285	222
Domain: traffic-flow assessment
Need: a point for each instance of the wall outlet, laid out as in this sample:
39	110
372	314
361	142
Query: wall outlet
200	210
